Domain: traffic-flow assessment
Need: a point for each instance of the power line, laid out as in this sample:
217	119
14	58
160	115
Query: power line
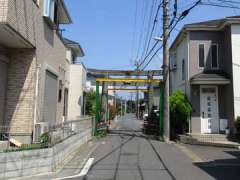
182	16
147	54
144	13
229	1
148	35
220	5
135	27
153	27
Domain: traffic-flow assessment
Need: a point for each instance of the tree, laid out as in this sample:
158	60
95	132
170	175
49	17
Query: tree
180	113
90	103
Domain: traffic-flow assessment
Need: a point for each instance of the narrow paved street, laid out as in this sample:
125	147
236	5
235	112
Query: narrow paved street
126	154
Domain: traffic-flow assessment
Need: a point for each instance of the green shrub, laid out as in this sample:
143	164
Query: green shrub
90	102
44	138
27	147
180	112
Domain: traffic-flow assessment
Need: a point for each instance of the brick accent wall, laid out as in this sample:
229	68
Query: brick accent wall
20	91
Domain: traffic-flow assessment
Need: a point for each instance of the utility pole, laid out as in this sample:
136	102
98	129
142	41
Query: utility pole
137	95
166	122
121	106
125	106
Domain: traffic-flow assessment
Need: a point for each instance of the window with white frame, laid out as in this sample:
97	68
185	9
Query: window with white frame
214	53
50	10
201	56
173	61
183	70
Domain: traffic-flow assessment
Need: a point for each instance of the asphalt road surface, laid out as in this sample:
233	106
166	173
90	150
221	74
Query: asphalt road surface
127	154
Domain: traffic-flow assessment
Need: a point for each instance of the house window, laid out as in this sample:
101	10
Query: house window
183	69
60	91
173	61
201	55
50	10
214	52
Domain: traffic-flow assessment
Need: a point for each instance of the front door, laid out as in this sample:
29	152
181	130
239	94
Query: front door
209	110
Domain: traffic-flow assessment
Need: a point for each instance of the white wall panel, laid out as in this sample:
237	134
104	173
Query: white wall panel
235	32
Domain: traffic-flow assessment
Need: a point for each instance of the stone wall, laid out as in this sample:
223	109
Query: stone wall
26	163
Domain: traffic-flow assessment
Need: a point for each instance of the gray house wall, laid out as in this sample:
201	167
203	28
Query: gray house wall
206	38
223	39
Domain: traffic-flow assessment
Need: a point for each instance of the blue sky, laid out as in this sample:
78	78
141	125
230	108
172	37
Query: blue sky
105	29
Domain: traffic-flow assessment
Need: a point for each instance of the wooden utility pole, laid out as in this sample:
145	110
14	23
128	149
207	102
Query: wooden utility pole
166	122
137	95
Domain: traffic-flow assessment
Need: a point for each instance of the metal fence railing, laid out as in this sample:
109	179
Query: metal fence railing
64	130
52	134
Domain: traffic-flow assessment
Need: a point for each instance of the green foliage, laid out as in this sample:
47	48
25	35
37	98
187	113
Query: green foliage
28	147
90	103
44	138
237	124
180	112
101	134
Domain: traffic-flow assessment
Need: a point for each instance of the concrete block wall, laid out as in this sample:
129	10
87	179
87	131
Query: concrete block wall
27	163
64	151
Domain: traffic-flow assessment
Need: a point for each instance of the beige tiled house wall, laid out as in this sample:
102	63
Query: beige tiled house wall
20	91
20	17
3	10
25	17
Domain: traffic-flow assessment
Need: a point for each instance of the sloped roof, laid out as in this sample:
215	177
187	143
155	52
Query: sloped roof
74	46
211	76
64	16
211	25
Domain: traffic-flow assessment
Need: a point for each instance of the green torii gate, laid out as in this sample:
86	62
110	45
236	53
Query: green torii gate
102	78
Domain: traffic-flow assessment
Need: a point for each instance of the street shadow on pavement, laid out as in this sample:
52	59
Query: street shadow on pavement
127	136
131	133
223	169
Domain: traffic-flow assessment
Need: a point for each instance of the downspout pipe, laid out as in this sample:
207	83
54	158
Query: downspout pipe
38	67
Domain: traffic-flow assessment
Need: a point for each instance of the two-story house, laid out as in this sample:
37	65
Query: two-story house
33	68
205	64
76	81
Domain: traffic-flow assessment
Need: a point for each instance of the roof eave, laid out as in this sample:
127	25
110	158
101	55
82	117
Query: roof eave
66	13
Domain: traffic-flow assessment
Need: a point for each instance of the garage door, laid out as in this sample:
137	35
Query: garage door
50	98
3	82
